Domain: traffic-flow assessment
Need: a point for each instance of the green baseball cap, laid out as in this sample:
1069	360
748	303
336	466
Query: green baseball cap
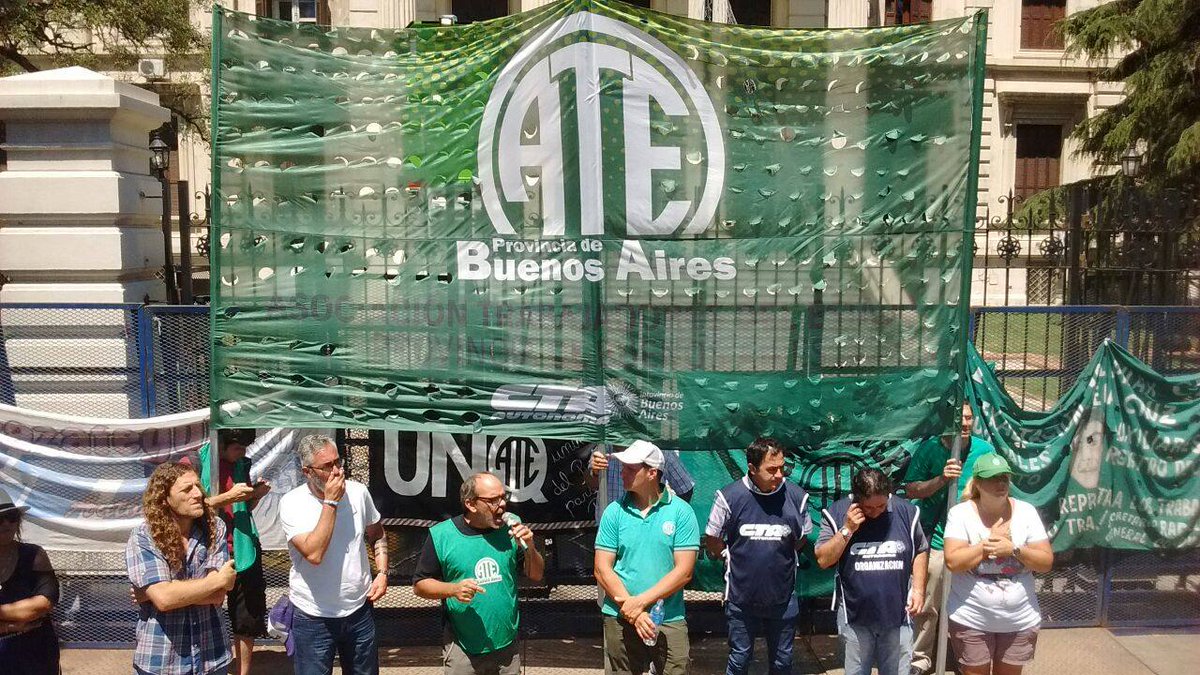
991	465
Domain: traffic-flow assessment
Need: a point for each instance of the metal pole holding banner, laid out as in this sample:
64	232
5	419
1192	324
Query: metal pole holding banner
943	633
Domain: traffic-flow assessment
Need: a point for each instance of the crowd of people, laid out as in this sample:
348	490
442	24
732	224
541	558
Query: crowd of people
197	550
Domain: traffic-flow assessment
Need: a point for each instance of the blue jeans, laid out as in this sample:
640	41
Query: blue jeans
889	649
745	626
351	638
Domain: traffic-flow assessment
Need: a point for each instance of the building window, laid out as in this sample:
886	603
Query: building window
3	155
300	11
470	11
751	12
904	12
1039	154
1038	18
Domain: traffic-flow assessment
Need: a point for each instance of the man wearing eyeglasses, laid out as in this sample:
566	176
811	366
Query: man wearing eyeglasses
758	524
328	521
470	563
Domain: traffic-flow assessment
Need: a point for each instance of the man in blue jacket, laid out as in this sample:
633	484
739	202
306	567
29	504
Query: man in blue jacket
758	523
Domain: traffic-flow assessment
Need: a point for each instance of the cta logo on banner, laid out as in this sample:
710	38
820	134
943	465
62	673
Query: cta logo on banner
598	405
418	476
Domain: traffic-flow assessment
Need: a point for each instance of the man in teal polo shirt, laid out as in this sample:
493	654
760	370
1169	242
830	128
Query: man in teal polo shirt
931	470
646	551
470	563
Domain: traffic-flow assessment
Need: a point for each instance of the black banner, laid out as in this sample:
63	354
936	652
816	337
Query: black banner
417	475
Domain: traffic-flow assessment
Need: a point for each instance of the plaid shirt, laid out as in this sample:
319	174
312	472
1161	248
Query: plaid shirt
189	640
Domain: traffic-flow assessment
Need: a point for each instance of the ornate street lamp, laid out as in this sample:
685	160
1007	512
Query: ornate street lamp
160	162
160	158
1131	162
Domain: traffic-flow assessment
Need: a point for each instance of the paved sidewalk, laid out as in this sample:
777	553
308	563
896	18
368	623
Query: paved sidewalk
1095	651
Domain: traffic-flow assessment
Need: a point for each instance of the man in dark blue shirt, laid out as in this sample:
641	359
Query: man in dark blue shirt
882	558
758	523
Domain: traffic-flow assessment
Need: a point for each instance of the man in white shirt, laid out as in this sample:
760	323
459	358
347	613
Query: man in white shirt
326	521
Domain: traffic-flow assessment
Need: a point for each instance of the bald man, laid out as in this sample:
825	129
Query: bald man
470	563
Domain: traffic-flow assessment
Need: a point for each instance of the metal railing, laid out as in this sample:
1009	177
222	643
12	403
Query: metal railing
129	360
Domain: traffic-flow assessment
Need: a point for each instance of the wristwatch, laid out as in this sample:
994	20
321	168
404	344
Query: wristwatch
1016	552
330	502
845	532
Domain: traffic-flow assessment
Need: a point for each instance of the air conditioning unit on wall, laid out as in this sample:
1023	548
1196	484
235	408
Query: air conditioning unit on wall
152	69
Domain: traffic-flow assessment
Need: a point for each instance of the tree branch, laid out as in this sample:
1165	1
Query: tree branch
10	53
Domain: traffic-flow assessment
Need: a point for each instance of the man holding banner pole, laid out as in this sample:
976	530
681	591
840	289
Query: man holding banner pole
605	479
469	563
934	483
234	503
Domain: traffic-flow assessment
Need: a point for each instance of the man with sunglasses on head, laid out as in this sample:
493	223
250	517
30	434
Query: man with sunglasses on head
328	522
646	549
758	524
470	563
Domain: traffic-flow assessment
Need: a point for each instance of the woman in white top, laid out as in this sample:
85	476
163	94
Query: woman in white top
993	544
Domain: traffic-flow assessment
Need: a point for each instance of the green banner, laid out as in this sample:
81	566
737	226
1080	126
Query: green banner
594	221
1115	463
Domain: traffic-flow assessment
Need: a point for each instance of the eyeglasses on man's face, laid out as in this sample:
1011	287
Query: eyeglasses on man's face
326	467
493	502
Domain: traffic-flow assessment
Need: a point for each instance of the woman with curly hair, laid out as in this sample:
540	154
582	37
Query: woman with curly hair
180	571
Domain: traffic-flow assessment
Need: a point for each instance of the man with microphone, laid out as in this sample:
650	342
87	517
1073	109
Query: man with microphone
470	563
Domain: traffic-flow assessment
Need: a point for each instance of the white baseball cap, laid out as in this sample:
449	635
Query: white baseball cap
642	452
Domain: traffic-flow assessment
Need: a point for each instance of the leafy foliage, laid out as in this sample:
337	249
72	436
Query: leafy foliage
78	32
1159	41
104	35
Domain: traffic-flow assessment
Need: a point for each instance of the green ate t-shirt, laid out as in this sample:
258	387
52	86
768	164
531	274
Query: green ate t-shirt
928	461
645	546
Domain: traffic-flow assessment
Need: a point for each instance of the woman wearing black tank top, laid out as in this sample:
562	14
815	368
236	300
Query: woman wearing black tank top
28	591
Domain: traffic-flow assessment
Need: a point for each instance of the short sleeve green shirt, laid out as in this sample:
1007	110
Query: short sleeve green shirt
928	461
645	546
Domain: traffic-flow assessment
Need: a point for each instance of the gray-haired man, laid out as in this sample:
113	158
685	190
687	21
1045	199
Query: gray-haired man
326	521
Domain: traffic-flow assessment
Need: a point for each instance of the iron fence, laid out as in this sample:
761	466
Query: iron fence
131	361
128	360
1099	242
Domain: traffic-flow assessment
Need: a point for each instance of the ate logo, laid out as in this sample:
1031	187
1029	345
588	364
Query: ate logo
487	571
530	135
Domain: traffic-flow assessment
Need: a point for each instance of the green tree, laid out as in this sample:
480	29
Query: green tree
105	35
84	32
1159	41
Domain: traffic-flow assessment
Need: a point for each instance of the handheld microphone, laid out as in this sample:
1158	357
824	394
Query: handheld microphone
512	520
